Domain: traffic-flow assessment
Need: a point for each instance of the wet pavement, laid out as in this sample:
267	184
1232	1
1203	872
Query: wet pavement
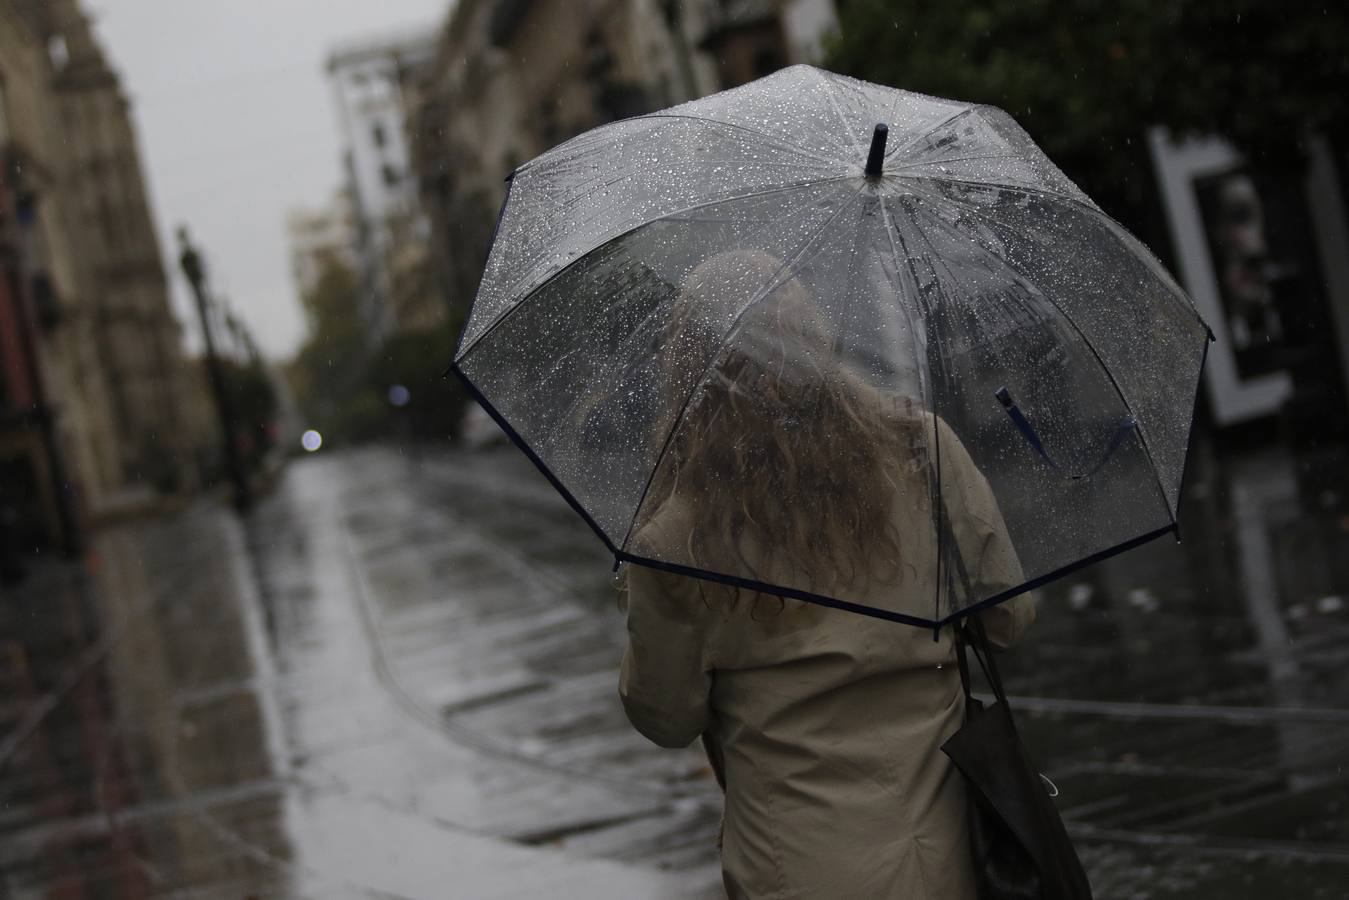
398	680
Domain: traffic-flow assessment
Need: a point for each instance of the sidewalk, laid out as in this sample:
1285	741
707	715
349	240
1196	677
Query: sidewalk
238	711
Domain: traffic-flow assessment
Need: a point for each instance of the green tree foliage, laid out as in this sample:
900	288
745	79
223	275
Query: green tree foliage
342	382
327	372
1086	78
416	360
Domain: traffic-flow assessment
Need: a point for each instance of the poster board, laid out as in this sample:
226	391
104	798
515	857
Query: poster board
1214	214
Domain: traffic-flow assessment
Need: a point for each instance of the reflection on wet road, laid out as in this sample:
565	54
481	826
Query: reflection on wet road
400	682
319	702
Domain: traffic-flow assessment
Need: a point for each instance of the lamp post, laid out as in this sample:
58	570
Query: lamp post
195	270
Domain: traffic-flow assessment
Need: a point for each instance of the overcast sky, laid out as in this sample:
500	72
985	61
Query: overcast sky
237	126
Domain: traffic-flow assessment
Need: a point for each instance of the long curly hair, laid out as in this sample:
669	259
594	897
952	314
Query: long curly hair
786	459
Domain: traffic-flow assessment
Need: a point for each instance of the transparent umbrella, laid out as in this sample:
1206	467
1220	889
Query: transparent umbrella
813	310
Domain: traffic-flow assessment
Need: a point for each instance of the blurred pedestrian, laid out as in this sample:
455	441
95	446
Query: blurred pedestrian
823	726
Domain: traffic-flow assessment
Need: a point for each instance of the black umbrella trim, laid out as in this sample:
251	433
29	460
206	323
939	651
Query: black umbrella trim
621	556
1189	435
491	242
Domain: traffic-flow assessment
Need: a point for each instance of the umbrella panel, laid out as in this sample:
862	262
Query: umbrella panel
771	370
601	185
1113	293
993	325
593	368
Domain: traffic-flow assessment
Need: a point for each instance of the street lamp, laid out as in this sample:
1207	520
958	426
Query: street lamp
195	270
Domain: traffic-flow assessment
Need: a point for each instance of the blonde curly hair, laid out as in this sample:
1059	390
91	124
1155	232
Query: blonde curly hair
785	458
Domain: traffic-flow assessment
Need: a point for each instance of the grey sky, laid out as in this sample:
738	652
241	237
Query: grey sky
237	126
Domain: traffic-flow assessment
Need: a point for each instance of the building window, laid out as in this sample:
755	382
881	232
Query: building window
58	52
390	176
377	135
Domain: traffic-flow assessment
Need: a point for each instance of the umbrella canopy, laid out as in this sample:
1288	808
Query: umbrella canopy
813	312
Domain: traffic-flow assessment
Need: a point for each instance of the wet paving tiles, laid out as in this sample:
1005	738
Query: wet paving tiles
399	681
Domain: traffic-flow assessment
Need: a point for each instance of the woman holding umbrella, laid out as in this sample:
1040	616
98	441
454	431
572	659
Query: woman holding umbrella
825	725
767	364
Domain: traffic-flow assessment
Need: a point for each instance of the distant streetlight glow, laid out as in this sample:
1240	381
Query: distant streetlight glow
311	440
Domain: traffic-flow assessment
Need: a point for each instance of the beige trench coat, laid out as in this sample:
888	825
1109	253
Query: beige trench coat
830	723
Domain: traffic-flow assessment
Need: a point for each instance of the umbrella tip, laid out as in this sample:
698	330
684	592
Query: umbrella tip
877	155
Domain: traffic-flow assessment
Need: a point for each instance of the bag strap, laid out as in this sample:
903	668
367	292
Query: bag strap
957	562
970	634
983	653
962	662
948	540
972	626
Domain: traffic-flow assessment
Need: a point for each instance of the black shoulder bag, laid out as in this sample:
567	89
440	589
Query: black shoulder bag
1020	848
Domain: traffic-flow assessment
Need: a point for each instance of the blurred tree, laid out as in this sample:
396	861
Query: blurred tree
1086	78
327	372
416	361
343	386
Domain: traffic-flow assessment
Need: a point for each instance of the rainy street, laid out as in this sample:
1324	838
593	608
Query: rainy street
396	678
893	306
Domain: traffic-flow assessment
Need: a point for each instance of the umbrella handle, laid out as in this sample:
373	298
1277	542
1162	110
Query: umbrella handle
1122	430
876	158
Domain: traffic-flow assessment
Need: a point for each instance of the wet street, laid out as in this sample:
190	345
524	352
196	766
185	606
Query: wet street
399	680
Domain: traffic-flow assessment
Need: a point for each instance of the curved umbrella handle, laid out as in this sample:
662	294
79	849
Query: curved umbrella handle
1122	430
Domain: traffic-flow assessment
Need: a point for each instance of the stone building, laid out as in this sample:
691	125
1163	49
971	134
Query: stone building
512	78
371	81
124	289
92	403
56	442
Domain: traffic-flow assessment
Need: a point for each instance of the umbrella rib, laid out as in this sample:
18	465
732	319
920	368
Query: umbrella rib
940	125
1100	362
1177	294
762	292
772	139
830	93
1047	193
580	195
954	159
581	255
929	396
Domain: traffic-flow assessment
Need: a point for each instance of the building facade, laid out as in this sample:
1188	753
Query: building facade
511	78
89	318
371	83
56	443
120	283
